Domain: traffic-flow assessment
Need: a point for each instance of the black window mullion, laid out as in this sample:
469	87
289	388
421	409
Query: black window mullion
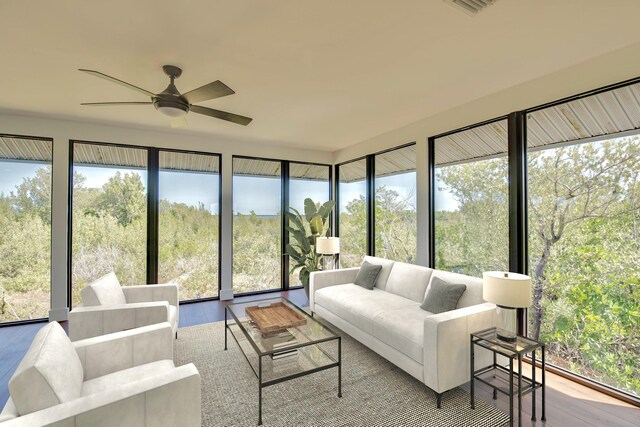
153	171
284	241
371	203
518	257
431	187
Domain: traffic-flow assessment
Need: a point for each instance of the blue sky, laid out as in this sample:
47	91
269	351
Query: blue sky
12	173
259	194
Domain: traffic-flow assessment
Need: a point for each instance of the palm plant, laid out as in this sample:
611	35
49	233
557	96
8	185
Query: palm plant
303	231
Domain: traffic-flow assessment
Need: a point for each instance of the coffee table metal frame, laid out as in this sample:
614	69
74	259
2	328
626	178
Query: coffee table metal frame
514	351
228	308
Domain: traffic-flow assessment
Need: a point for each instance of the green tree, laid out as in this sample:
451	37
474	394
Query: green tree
123	197
33	195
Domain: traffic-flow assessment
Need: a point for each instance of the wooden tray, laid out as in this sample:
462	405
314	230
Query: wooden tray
275	317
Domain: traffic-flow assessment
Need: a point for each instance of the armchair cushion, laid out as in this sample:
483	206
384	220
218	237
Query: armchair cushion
118	379
103	291
49	374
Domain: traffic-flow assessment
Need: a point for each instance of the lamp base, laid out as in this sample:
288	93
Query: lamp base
506	323
328	262
507	337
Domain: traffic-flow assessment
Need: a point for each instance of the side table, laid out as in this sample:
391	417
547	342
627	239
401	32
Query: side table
501	379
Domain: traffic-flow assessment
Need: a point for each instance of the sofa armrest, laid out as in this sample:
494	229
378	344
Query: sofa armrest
146	293
323	279
168	399
122	350
92	321
446	345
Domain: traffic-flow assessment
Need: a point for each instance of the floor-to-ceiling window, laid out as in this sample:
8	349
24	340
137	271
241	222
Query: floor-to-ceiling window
471	203
257	225
188	222
395	204
109	203
25	228
584	235
307	181
352	212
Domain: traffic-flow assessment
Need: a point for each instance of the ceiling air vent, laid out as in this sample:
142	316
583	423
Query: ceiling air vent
470	7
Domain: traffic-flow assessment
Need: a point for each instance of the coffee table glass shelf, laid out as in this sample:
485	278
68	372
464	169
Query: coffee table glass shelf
507	380
300	346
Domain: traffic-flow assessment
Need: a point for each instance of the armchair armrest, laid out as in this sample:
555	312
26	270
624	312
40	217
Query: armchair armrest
170	398
122	350
147	293
92	321
446	345
323	279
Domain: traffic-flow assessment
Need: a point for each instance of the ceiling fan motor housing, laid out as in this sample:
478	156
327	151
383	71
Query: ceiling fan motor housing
170	102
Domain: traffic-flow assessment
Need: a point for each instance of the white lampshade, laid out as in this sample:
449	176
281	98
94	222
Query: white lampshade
328	245
506	289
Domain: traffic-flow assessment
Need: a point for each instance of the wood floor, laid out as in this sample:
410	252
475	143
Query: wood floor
568	403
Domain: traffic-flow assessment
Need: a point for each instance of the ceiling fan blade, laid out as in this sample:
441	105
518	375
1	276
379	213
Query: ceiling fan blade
230	117
213	90
179	122
97	104
117	81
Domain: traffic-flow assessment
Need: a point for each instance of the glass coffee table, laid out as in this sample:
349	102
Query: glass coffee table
281	342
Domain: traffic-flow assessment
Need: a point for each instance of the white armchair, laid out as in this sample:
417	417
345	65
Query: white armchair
108	307
126	378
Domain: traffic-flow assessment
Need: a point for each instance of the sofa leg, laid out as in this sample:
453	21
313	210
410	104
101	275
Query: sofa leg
176	334
439	400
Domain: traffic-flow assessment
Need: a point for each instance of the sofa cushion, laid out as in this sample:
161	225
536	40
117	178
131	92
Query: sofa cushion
442	296
358	305
473	294
50	372
408	280
103	291
126	376
402	329
367	275
381	281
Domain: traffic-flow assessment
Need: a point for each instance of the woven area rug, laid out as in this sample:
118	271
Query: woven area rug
374	391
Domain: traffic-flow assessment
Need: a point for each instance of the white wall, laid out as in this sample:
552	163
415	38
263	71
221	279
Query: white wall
63	130
607	69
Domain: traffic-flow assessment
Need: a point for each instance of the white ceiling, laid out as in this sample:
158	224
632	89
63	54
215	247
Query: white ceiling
323	74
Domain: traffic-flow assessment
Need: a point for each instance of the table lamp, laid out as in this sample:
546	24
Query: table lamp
508	291
328	247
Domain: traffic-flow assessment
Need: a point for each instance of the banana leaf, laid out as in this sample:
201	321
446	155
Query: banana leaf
301	238
299	258
316	225
310	210
296	220
325	210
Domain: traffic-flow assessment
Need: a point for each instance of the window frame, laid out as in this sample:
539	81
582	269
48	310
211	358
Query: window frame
50	140
153	203
284	207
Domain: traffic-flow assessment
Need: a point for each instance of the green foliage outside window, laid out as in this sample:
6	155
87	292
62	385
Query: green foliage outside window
584	249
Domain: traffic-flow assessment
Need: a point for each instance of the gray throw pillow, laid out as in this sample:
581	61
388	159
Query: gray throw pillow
367	275
442	296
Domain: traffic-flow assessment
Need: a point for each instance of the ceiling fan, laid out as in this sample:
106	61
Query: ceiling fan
175	105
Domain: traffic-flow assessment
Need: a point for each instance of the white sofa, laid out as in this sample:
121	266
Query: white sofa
434	348
108	307
122	379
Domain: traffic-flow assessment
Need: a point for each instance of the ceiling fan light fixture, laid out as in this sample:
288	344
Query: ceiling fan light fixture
172	112
170	108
